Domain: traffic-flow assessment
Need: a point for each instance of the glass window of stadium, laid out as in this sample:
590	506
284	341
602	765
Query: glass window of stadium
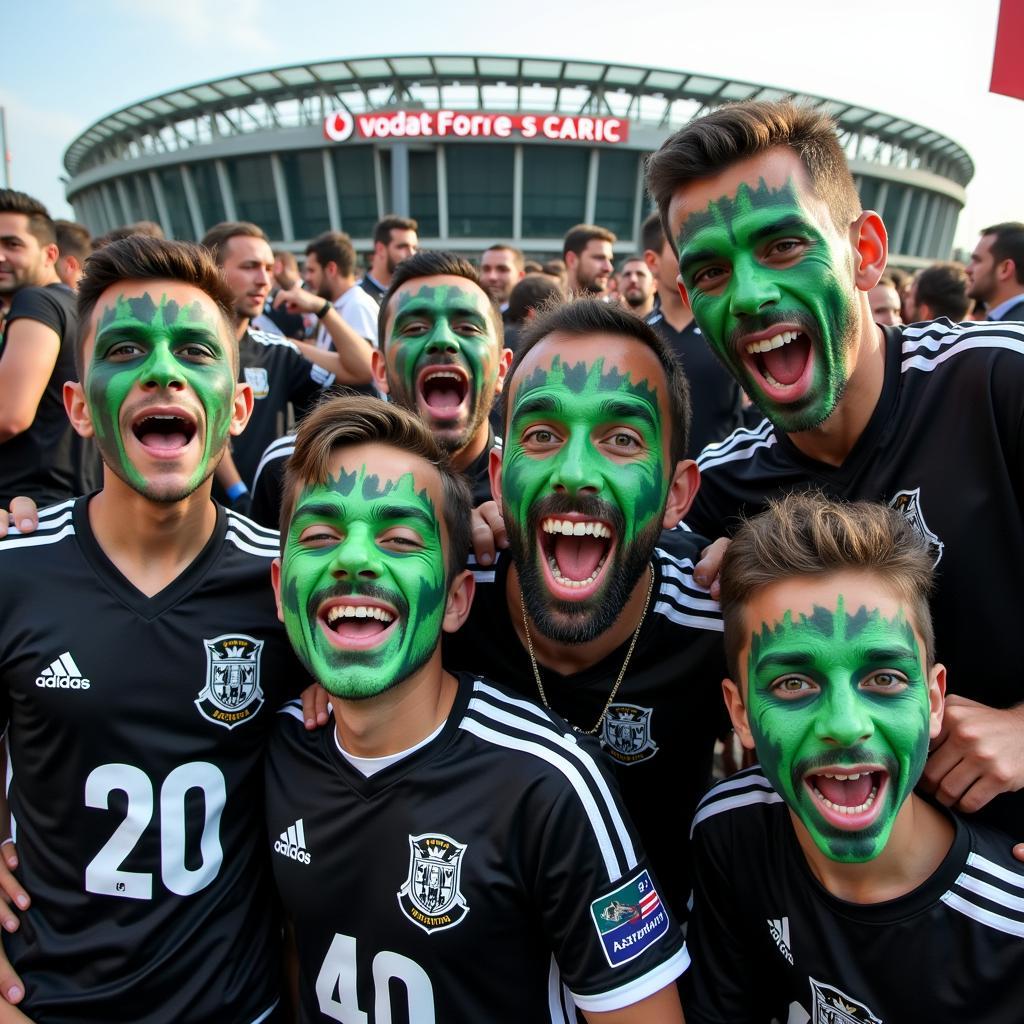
177	205
479	190
211	202
252	182
307	192
554	189
141	203
356	181
423	190
616	191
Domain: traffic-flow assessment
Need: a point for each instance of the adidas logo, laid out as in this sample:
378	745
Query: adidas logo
779	927
63	674
293	843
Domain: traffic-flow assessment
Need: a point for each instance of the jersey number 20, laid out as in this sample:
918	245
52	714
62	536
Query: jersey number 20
104	874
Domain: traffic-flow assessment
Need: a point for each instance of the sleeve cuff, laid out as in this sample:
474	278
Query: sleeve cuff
640	988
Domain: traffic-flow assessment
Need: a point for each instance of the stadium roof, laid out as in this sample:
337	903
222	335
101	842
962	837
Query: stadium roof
301	94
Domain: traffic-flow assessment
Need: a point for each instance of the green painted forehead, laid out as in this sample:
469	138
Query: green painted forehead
722	212
365	486
166	313
585	379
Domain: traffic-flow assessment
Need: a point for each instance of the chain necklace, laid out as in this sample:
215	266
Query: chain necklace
622	671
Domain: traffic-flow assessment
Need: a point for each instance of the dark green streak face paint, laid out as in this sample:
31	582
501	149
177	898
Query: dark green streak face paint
442	359
760	260
363	581
156	352
834	691
588	444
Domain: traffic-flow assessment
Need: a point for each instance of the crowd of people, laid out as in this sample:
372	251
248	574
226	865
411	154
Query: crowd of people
540	538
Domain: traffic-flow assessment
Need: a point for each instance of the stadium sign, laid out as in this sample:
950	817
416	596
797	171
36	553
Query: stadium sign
340	126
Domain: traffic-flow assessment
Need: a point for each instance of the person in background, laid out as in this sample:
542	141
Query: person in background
587	251
886	306
636	286
939	290
74	243
394	239
995	271
530	295
501	267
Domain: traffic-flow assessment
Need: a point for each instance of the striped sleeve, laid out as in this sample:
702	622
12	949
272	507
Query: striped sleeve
680	598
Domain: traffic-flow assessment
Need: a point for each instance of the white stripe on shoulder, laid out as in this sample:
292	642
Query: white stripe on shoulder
252	529
284	441
983	916
557	750
52	511
479	686
731	803
990	867
293	708
266	338
709	459
482	574
677	581
748	778
990	892
926	363
244	545
739	437
15	541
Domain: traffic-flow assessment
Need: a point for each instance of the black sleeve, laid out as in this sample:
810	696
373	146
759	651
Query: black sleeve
38	304
266	493
306	382
710	513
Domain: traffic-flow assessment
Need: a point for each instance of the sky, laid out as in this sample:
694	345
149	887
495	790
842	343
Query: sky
928	61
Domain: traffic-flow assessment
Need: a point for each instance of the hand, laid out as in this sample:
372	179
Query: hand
707	572
299	300
314	706
11	986
488	532
23	514
978	754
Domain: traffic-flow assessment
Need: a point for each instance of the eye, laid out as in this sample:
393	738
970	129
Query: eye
623	441
196	351
540	436
886	681
709	277
784	247
789	687
400	538
319	536
125	351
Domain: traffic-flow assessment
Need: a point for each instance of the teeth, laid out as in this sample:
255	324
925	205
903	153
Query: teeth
839	808
577	529
444	374
566	582
767	344
358	611
843	778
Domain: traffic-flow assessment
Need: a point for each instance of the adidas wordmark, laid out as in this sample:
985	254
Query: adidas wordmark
63	674
293	843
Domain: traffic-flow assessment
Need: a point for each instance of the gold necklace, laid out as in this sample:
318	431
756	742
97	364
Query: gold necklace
622	671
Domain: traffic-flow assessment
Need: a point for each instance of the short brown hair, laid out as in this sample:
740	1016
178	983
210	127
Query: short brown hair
349	420
40	224
392	222
943	288
334	247
517	254
736	131
577	238
141	258
149	228
652	234
806	534
217	238
1008	244
73	239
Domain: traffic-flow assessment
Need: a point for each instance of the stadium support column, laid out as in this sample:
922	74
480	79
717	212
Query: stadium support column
400	178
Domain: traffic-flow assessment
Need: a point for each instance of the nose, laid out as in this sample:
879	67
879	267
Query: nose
574	471
163	370
356	557
752	288
442	340
843	720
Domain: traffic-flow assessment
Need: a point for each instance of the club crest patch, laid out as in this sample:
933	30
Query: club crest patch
232	694
629	920
832	1006
430	896
256	377
626	733
908	504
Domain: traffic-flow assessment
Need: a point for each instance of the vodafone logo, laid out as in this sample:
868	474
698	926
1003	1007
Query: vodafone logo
338	126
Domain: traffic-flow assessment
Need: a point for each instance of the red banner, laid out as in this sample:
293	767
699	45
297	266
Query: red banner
1008	62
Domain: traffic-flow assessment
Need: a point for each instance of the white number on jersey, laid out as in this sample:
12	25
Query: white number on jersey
338	975
104	875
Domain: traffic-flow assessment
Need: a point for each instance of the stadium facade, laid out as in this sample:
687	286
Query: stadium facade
477	148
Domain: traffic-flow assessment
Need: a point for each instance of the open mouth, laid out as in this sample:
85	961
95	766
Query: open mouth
443	391
355	623
575	551
782	362
164	433
848	798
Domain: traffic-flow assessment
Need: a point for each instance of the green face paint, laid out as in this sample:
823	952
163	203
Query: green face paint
760	271
149	356
832	694
442	359
583	492
363	584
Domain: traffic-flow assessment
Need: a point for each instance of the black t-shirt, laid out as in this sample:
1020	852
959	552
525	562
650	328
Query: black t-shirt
945	445
769	942
136	730
48	462
715	397
491	871
660	731
279	375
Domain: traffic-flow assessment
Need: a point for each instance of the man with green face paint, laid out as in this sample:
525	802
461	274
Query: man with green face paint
441	825
140	647
777	261
824	885
592	609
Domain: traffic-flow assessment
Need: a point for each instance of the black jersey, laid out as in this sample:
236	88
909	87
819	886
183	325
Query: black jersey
372	288
945	446
279	374
48	462
716	400
769	942
661	728
136	733
491	871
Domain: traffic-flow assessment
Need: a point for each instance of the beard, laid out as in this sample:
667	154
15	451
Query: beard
578	622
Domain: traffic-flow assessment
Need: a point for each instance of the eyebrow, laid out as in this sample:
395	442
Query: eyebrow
176	331
327	510
788	223
540	403
418	308
693	258
617	408
785	659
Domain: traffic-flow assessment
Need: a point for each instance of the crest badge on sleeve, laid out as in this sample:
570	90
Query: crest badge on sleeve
833	1006
629	919
232	694
430	896
626	733
256	377
908	504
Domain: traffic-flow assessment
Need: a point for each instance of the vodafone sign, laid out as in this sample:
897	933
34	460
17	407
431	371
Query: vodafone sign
459	124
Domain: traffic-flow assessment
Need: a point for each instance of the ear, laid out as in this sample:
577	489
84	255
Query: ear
51	254
936	699
460	600
652	260
870	249
77	409
1006	270
504	362
923	314
379	369
737	712
681	491
275	580
494	472
571	259
242	409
